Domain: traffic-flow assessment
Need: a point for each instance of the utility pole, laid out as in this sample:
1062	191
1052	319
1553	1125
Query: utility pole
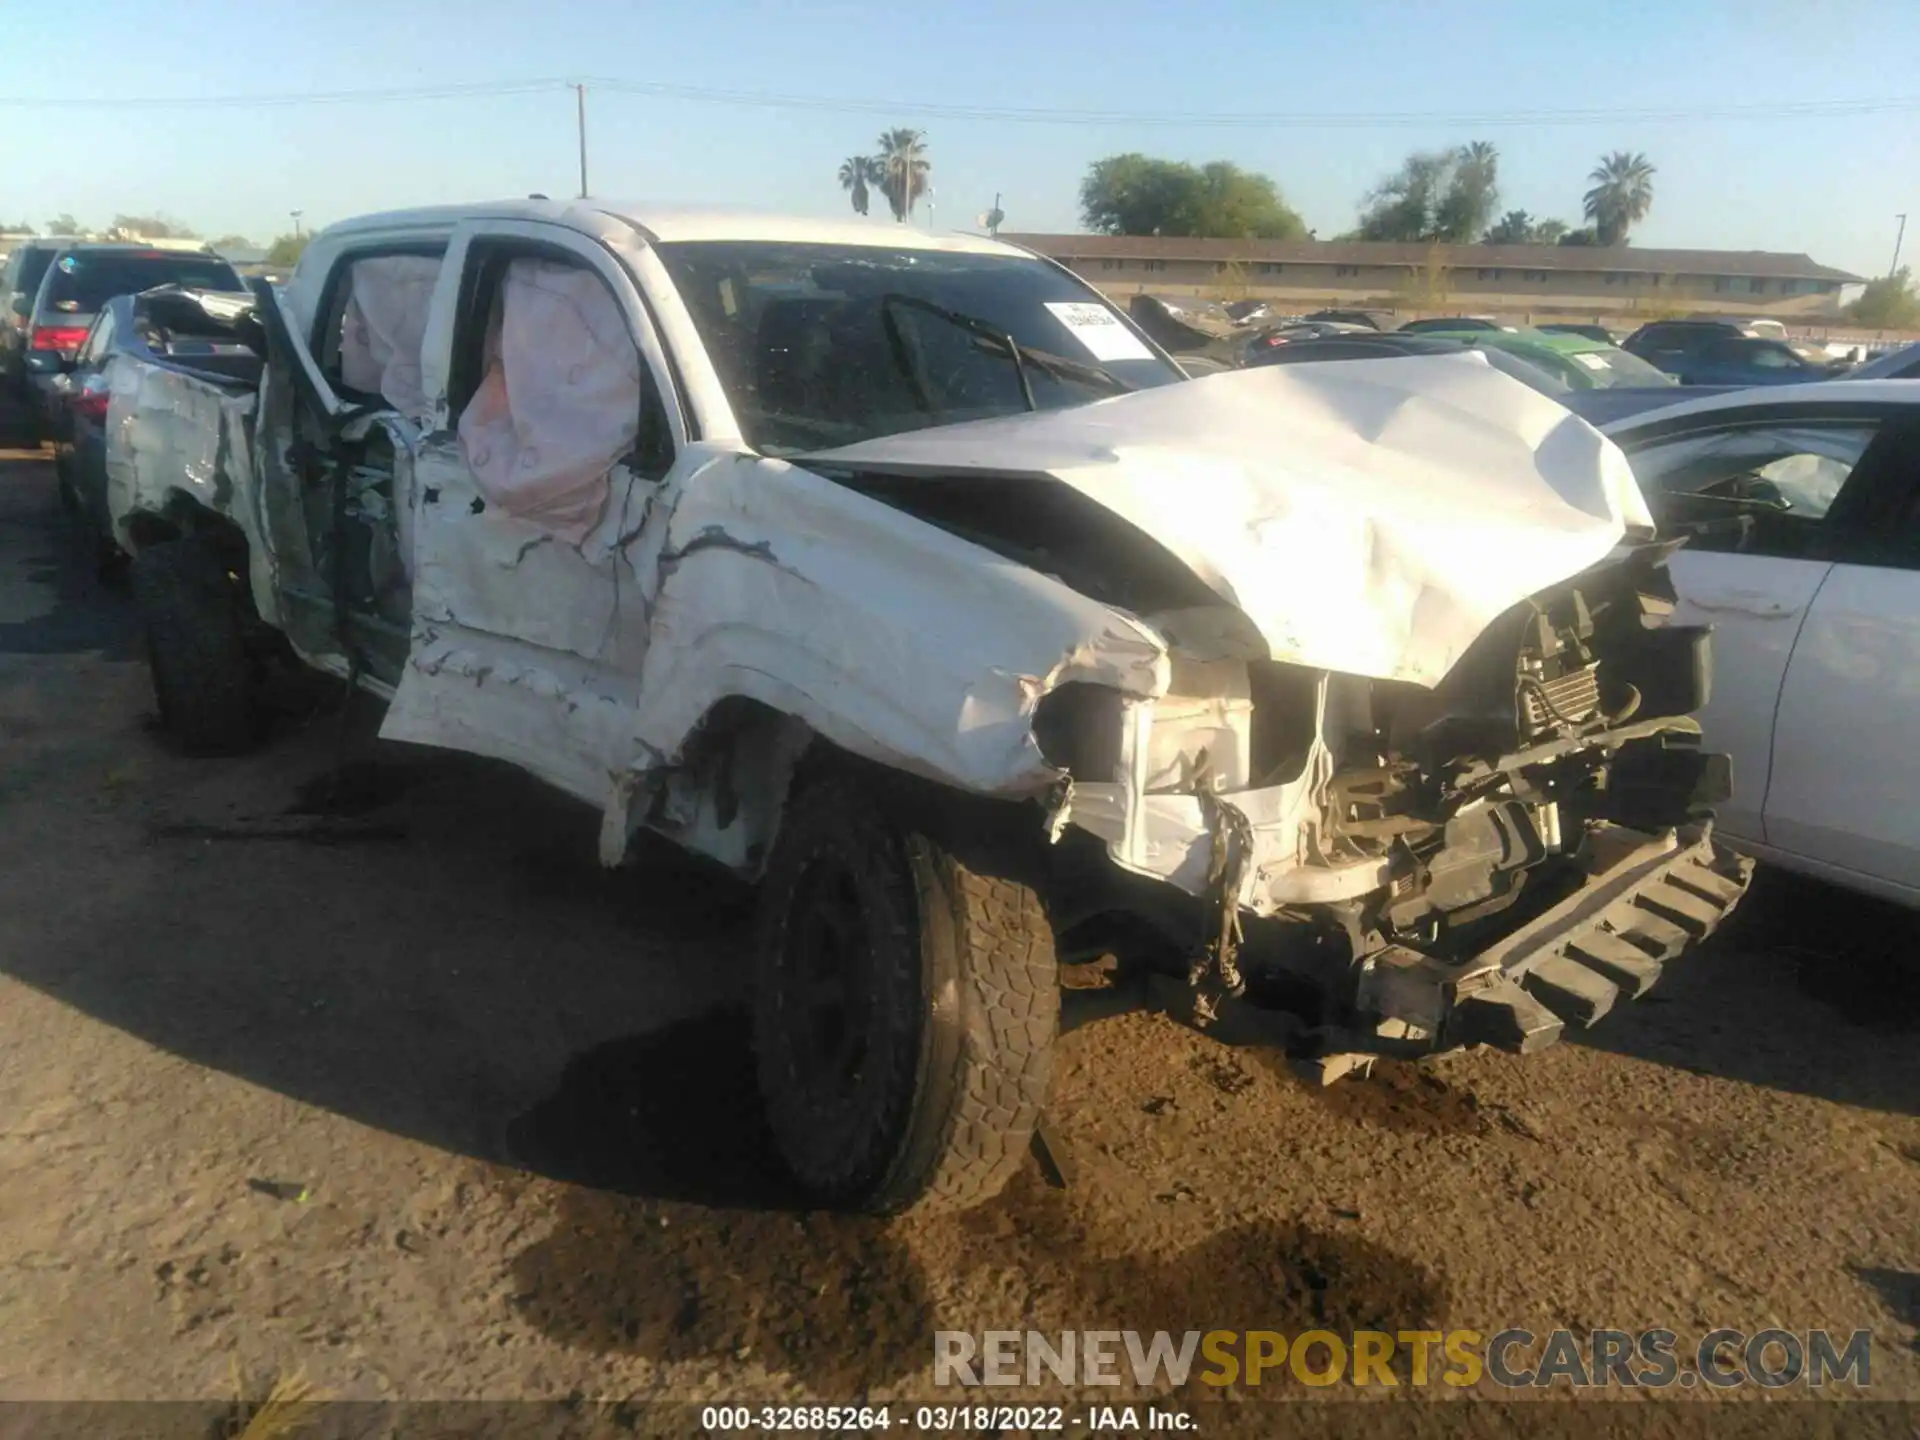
1898	236
580	113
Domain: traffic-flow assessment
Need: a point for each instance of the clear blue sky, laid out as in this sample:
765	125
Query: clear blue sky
1827	185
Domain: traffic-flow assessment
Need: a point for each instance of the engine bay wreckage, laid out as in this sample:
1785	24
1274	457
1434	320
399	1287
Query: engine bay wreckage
1386	700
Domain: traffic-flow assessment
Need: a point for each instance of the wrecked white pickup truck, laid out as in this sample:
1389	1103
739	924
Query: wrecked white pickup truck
904	576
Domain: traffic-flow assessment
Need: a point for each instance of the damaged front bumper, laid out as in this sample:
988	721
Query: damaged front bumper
1642	899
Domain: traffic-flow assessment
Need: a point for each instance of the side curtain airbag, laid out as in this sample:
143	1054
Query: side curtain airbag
383	326
560	402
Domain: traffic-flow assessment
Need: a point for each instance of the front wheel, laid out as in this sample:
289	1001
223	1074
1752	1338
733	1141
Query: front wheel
905	1012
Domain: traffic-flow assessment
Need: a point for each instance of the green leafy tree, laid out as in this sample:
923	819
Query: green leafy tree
857	174
1622	194
1579	237
1473	194
1445	195
1136	194
65	224
1549	232
285	249
1404	205
1889	303
231	242
904	169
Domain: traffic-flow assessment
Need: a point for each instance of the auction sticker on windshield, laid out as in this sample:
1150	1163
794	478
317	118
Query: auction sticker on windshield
1099	329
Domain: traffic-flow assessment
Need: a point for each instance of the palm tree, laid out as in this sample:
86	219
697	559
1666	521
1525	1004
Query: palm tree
856	172
1621	196
904	169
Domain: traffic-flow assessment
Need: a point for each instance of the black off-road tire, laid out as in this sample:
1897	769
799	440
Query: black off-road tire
202	674
955	1005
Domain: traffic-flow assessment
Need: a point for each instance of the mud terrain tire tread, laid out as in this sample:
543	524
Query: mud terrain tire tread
202	675
970	1010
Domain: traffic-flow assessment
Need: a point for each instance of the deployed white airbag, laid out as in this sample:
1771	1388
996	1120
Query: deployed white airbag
560	402
383	326
1369	516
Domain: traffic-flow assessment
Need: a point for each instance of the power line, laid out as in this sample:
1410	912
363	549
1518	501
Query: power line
309	97
1303	119
1284	119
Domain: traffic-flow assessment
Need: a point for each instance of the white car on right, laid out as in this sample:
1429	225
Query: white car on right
1801	510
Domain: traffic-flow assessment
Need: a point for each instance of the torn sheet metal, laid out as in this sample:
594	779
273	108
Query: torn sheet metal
748	578
1370	517
893	639
172	434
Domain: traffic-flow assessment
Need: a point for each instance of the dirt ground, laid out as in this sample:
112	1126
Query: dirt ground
384	1082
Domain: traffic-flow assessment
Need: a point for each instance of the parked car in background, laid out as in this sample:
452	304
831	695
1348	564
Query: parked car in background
1747	360
1589	332
1359	345
1901	364
1582	363
1452	324
701	537
1302	330
1801	508
1669	344
1369	319
174	333
1760	326
83	278
19	283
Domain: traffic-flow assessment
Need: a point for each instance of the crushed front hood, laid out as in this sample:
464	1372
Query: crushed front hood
1370	516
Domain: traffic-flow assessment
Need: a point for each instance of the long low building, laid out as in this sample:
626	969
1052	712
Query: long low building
1622	280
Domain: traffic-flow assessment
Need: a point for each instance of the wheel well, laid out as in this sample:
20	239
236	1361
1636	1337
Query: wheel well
180	518
746	762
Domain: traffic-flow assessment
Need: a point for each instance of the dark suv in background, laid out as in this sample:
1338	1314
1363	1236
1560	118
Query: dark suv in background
77	287
1670	344
20	282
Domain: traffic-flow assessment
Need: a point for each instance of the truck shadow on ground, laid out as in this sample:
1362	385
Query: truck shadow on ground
1808	989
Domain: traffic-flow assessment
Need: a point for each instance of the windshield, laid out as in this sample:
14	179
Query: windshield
83	282
1525	371
1613	367
825	345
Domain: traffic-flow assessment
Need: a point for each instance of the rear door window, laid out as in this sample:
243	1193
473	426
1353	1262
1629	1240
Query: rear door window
32	266
83	282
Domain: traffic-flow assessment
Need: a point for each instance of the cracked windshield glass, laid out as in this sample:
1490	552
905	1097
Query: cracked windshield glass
824	345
